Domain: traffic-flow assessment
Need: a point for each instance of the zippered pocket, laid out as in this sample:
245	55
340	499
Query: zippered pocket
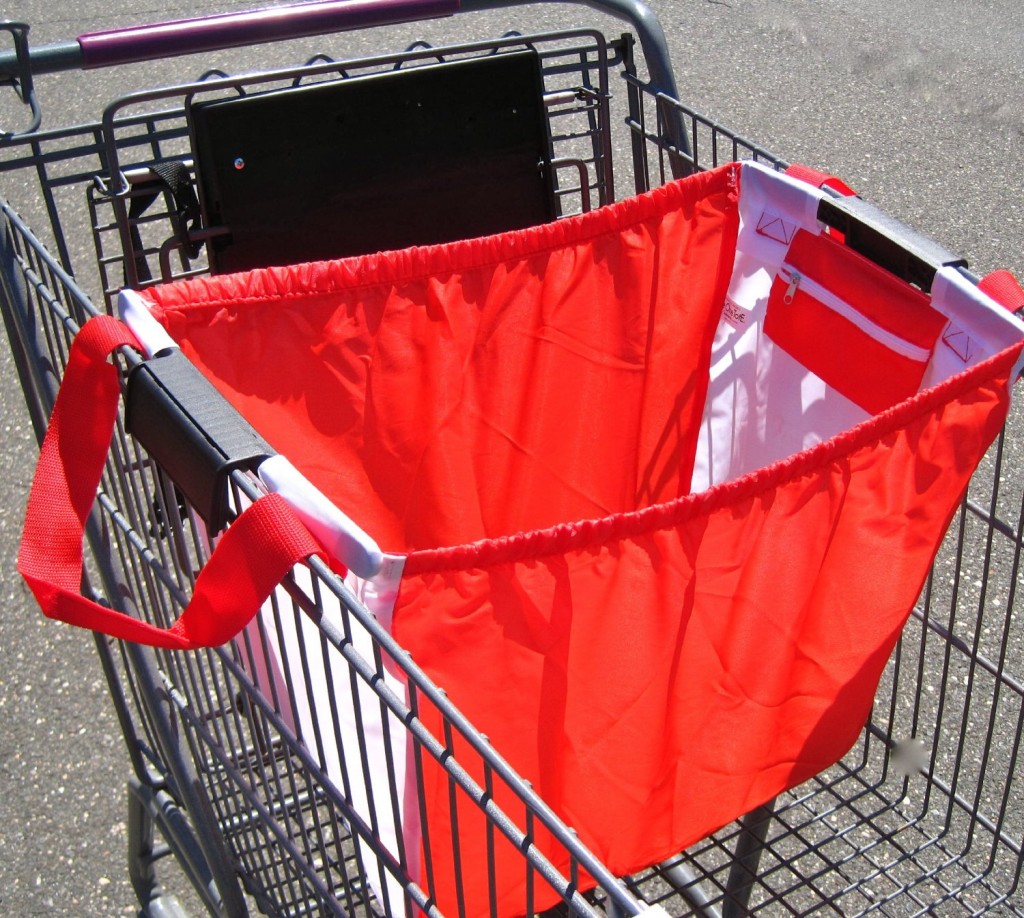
861	330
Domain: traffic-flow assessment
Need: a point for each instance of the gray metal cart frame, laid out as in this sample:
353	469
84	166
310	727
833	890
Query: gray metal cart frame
238	794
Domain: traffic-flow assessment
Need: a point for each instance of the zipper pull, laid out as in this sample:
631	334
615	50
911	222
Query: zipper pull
794	282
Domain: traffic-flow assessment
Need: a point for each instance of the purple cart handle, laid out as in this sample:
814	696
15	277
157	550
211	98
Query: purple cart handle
230	30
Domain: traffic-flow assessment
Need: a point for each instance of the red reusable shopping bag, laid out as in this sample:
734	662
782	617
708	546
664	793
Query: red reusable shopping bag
657	555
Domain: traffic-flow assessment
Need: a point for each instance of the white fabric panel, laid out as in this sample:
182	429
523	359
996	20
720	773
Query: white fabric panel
978	326
281	653
762	405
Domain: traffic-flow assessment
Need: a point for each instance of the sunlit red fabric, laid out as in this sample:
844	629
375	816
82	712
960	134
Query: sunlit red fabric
518	415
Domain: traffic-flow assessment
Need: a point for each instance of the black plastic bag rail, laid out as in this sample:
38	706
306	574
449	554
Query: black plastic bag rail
191	431
886	241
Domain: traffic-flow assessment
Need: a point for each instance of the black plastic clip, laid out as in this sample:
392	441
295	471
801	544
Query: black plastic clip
192	431
888	242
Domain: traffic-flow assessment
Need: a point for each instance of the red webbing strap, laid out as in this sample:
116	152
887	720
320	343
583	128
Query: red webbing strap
819	179
1004	288
250	558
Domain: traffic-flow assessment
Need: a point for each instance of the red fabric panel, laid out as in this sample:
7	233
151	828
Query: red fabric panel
453	393
656	682
676	659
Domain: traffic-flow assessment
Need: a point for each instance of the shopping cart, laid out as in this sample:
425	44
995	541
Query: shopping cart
237	761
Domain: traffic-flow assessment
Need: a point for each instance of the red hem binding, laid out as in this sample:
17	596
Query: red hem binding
584	534
400	266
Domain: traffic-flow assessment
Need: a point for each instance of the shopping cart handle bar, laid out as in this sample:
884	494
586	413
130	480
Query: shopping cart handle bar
200	35
134	44
229	30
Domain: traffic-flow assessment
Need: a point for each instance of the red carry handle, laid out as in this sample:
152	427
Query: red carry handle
820	179
1004	288
250	558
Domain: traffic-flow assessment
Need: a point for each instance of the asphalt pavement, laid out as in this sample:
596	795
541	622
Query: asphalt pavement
918	105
